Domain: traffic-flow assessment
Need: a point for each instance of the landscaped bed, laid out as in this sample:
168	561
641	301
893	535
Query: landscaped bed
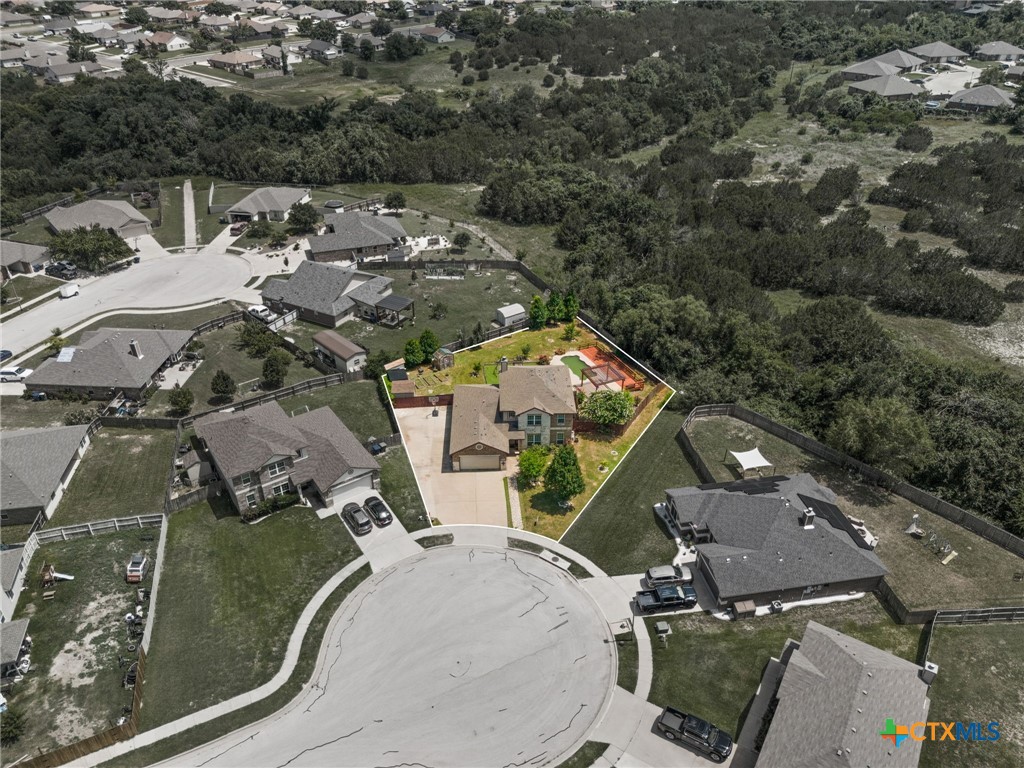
981	575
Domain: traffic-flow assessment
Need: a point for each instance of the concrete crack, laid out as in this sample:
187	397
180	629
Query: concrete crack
229	749
549	738
526	761
464	673
528	574
581	658
539	602
471	554
404	765
318	746
558	625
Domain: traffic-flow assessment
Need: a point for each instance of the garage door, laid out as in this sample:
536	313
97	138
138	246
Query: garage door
480	462
365	482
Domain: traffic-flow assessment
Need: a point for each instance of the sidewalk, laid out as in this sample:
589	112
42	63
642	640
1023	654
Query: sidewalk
190	215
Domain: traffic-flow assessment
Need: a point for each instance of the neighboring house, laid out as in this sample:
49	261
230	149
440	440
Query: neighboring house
434	35
39	64
122	217
238	62
900	59
165	15
358	236
272	54
377	43
37	465
766	539
96	10
300	12
999	51
980	99
56	74
331	294
364	19
889	87
327	15
509	315
110	360
1015	74
264	29
980	10
478	439
939	53
168	41
131	42
846	690
59	26
20	258
261	452
322	51
538	400
105	37
216	23
13	57
338	352
11	19
268	204
431	9
868	70
12	581
270	7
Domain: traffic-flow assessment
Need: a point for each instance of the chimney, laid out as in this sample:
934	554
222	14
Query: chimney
807	519
929	671
135	349
503	364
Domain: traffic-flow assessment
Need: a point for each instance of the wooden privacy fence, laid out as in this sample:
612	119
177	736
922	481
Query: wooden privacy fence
423	401
309	385
219	322
980	615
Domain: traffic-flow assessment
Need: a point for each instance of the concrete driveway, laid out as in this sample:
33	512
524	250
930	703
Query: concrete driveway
452	497
948	83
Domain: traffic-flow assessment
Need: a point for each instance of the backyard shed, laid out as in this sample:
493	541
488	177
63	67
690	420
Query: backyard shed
506	316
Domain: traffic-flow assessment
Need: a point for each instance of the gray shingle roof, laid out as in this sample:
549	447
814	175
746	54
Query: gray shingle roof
11	639
102	359
357	229
329	289
759	545
321	46
12	251
32	462
338	345
1000	48
266	199
899	58
73	68
872	67
982	96
109	214
474	419
888	85
842	690
937	50
10	561
546	388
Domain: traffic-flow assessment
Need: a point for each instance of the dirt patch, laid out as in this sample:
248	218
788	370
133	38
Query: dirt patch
1005	338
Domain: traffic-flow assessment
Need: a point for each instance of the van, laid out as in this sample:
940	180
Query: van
668	575
68	290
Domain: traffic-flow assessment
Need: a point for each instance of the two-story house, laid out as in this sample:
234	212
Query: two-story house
262	452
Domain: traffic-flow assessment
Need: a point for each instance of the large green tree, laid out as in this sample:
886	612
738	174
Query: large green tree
181	399
538	313
607	407
883	432
303	218
223	385
90	249
531	465
563	477
413	353
275	368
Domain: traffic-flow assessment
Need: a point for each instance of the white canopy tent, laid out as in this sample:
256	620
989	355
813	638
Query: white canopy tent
749	460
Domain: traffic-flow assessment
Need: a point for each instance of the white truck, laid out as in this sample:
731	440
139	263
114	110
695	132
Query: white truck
68	290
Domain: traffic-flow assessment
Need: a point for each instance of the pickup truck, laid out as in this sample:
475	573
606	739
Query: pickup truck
666	598
694	732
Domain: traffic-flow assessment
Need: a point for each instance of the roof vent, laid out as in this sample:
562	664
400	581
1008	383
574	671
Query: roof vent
807	519
136	350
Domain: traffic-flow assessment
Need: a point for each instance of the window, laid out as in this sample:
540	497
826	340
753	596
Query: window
533	420
251	499
559	438
282	489
277	468
560	419
533	439
302	454
244	480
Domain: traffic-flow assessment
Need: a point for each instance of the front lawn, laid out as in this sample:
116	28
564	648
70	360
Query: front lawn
619	530
27	288
980	576
399	489
355	403
712	668
171	232
229	599
124	472
74	687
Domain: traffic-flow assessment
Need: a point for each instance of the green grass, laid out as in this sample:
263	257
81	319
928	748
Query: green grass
221	352
355	403
619	530
171	231
629	664
399	489
712	668
441	540
28	288
980	576
208	225
201	734
575	364
508	504
789	300
32	231
981	675
14	534
124	472
585	756
229	599
19	413
74	688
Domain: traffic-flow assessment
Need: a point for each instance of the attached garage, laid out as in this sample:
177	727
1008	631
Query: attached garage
346	487
485	461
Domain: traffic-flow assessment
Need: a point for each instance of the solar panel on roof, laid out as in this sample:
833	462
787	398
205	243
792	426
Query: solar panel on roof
65	355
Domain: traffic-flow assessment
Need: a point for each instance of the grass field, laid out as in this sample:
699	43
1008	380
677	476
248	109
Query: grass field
124	472
19	413
355	403
981	676
619	530
28	287
712	668
980	576
74	687
229	599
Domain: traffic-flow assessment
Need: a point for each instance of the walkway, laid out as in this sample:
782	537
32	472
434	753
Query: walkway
190	215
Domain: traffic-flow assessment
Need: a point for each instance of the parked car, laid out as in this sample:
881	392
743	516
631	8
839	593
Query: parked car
929	70
239	227
15	374
378	511
5	354
694	732
666	599
65	270
668	575
262	313
137	568
357	519
68	290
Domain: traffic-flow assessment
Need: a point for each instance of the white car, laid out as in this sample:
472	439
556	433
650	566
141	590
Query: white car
15	374
263	313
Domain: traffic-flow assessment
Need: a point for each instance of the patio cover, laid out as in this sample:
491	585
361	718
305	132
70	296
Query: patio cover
394	303
750	459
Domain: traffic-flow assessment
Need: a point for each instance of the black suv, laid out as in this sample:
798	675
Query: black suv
65	270
378	511
357	520
696	733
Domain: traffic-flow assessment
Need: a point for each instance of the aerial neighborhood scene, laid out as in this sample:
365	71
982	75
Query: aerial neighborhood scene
503	383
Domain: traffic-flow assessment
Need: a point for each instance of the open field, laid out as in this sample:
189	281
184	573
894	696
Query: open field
74	687
355	403
27	288
982	574
712	668
619	530
124	472
252	582
981	676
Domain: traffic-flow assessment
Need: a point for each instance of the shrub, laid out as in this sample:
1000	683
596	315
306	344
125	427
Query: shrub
916	138
468	79
916	220
548	81
483	74
181	399
1014	291
269	506
74	418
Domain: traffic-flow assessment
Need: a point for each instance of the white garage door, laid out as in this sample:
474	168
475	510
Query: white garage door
365	483
480	462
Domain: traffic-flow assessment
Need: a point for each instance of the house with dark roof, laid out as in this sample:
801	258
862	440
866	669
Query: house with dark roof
980	99
434	35
357	236
261	452
21	258
778	538
539	401
900	59
889	87
13	57
322	50
939	53
331	294
867	70
273	55
479	439
268	204
122	217
338	352
11	19
110	360
843	691
57	74
36	466
999	51
1015	73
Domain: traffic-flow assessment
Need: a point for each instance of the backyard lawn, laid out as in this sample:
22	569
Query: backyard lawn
229	599
712	667
171	232
355	403
619	530
17	412
980	576
124	472
74	687
981	676
27	288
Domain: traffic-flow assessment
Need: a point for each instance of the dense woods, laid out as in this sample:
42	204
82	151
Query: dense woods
675	255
